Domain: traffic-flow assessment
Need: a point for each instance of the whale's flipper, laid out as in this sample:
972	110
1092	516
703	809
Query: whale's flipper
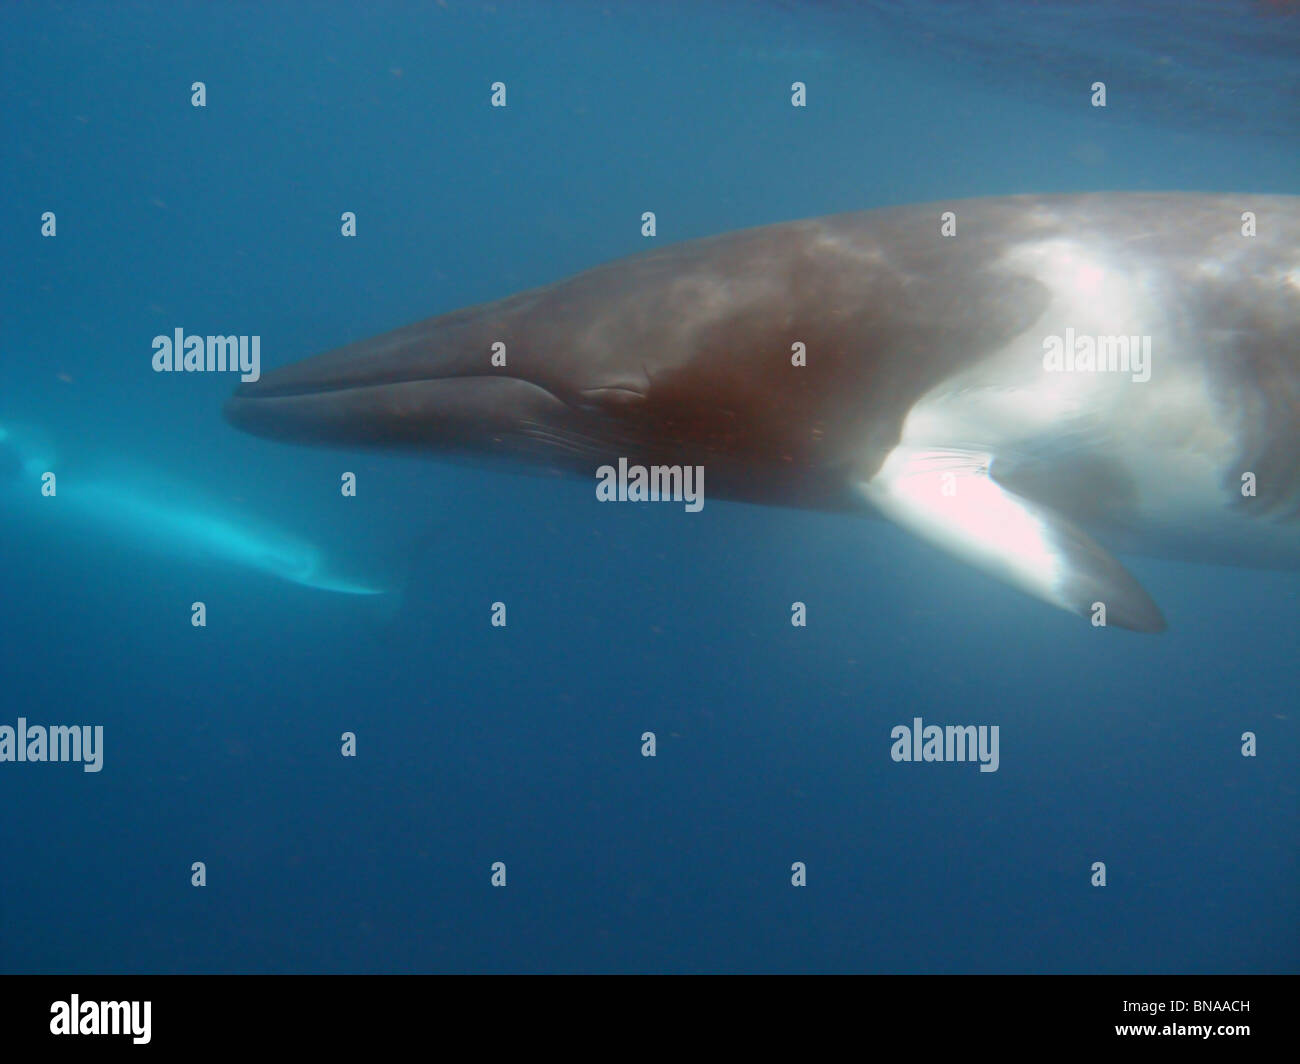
947	496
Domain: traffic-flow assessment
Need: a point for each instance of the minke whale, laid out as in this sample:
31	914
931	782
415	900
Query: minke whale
1038	386
119	507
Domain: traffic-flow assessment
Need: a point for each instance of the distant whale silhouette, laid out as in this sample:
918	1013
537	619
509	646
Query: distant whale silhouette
142	511
951	381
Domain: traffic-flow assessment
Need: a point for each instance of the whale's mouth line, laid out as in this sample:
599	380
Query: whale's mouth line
452	413
269	390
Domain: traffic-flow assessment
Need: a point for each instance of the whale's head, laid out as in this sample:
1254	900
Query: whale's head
659	361
784	359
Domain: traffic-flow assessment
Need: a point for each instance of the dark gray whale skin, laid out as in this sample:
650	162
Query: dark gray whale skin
682	356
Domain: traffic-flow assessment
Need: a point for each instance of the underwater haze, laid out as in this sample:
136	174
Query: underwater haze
481	747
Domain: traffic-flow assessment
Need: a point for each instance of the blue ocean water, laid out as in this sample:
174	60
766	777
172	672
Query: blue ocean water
523	744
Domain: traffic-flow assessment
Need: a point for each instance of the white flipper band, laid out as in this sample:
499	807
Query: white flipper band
948	497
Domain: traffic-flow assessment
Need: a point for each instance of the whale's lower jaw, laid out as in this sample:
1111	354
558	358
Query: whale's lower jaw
874	359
